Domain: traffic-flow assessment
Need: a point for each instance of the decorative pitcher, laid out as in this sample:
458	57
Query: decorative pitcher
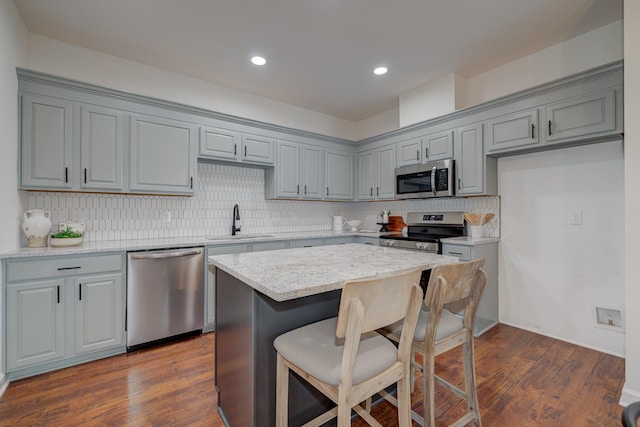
36	225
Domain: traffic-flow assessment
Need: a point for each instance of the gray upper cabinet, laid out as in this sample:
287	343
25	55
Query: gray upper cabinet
437	146
409	152
581	116
257	149
47	143
339	175
469	160
101	149
376	173
219	143
514	130
312	171
163	156
298	174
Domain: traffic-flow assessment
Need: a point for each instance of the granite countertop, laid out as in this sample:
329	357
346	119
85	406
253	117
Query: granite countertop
470	241
174	242
294	273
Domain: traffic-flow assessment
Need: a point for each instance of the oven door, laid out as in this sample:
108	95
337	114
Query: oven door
433	179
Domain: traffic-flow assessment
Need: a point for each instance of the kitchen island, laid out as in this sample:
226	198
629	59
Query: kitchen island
260	295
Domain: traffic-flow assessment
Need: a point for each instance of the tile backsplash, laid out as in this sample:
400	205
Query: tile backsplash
209	211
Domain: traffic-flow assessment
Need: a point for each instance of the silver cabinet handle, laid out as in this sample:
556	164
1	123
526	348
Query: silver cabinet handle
433	180
167	254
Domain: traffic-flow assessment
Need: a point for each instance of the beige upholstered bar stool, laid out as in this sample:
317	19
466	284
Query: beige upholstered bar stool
440	330
345	358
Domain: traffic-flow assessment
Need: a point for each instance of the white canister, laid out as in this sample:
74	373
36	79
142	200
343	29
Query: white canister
338	224
36	225
476	230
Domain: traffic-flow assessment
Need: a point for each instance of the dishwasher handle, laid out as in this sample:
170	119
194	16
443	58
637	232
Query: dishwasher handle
162	255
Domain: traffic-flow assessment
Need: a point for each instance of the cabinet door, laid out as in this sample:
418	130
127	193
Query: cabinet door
513	130
210	312
219	143
469	159
385	188
339	175
101	148
99	312
46	142
409	152
438	146
581	116
162	155
288	170
35	323
312	172
366	184
256	149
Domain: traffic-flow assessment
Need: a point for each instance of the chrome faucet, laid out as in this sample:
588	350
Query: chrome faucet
236	217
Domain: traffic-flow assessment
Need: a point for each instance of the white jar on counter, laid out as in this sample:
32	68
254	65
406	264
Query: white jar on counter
36	225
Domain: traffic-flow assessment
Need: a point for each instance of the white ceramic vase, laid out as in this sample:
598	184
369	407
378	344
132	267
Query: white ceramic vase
36	225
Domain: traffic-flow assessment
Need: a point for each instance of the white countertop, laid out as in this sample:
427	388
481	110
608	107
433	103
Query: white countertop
294	273
173	242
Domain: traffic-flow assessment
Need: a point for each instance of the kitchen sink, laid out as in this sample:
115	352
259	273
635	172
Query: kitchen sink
239	237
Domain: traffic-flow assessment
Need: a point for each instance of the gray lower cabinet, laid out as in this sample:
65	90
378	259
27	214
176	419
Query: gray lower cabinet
210	294
46	143
62	311
163	158
487	314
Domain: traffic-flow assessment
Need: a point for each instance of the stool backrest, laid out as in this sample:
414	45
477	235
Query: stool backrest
384	300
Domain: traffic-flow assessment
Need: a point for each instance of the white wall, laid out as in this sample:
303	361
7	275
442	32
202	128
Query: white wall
600	46
432	100
13	52
631	390
85	65
552	273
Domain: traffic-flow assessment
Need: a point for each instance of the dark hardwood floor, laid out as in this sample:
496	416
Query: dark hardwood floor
524	379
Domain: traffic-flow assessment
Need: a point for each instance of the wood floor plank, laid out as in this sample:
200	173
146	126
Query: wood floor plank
524	379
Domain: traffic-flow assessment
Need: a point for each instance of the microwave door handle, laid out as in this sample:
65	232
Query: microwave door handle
433	180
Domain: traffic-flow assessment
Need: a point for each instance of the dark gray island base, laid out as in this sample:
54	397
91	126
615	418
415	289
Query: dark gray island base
246	325
260	295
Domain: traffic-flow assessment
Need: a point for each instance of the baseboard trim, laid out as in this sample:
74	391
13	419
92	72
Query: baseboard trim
601	350
4	383
628	396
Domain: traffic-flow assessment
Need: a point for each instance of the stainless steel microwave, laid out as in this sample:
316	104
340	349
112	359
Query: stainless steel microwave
425	180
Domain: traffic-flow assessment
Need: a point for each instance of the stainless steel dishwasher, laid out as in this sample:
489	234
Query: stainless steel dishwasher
165	294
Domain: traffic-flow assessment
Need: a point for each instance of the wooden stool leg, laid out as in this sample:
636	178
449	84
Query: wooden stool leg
344	410
282	393
470	380
404	400
428	389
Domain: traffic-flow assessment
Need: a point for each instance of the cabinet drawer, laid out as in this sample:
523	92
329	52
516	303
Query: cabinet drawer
60	267
462	252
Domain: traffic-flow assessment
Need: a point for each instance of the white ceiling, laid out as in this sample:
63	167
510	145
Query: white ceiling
320	53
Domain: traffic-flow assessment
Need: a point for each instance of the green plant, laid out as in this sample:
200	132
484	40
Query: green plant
66	234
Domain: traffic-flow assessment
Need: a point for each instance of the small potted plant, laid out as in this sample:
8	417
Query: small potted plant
68	235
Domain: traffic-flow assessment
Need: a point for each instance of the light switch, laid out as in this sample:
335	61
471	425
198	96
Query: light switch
575	217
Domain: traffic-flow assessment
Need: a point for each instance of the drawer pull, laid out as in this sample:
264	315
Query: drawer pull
455	253
69	268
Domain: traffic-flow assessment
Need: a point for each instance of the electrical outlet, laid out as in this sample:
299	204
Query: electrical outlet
609	318
575	217
166	216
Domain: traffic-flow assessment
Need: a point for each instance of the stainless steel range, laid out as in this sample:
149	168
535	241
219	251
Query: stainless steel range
425	230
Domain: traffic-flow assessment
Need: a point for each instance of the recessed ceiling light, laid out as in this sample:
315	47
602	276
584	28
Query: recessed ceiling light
380	71
258	60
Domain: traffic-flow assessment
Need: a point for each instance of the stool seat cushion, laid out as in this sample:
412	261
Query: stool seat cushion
450	323
315	349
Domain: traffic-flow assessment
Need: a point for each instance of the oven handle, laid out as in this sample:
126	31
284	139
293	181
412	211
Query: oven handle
433	179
